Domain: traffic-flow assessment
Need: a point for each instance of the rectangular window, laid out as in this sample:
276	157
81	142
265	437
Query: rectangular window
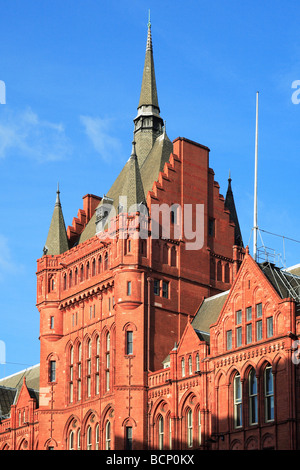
52	371
237	402
165	289
258	330
211	227
269	394
156	287
258	310
269	327
51	323
239	317
128	444
229	340
129	288
129	342
249	313
249	333
238	336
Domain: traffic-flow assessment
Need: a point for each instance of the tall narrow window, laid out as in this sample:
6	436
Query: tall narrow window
52	371
88	368
161	433
229	339
71	440
258	310
70	279
51	323
238	336
190	428
170	433
89	438
107	371
182	367
199	428
156	287
107	436
97	437
197	363
71	376
78	439
269	394
269	327
97	378
129	342
79	373
87	270
190	365
129	288
93	267
165	289
128	438
253	416
258	330
249	333
237	396
248	313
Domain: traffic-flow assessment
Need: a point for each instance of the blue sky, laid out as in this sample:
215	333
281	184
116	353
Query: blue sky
73	71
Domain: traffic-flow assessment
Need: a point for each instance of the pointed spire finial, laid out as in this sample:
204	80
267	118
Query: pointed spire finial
149	21
57	202
133	152
149	37
229	177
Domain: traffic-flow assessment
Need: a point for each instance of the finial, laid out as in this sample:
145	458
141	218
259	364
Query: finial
57	195
149	21
133	152
229	177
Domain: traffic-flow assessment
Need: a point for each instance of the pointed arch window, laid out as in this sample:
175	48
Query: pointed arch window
190	365
71	375
78	439
97	437
108	436
97	372
182	367
160	433
79	373
107	360
88	368
269	394
253	410
71	441
237	397
189	419
89	438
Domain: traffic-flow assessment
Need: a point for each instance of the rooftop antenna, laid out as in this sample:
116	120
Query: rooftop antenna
255	228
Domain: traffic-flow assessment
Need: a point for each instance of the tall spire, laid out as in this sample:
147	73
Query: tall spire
57	240
148	123
230	205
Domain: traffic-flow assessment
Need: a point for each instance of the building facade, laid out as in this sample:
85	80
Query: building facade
157	328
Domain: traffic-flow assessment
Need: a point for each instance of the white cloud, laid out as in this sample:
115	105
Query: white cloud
28	135
98	131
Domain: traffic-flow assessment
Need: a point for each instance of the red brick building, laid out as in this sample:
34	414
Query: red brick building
157	328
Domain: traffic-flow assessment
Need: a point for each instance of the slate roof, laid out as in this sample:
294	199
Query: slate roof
285	282
10	388
208	314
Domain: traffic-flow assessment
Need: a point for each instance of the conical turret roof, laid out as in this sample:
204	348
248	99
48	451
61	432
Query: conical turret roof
230	205
57	240
148	94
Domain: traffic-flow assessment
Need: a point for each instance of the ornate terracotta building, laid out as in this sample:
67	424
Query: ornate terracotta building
157	328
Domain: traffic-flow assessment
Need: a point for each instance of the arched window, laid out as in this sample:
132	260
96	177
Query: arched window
107	370
97	437
190	365
237	401
78	439
269	394
88	368
93	267
70	279
81	273
227	273
106	261
89	438
219	271
79	373
160	433
107	436
99	264
71	375
71	440
173	257
197	362
97	371
65	281
87	270
165	254
76	276
199	428
253	414
182	367
189	428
